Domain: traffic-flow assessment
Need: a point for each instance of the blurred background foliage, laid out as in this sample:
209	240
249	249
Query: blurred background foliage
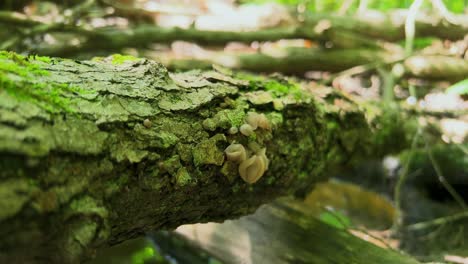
319	6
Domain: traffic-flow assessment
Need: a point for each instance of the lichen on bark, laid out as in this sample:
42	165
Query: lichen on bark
142	149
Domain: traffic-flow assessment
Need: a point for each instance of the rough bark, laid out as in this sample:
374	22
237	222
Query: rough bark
96	152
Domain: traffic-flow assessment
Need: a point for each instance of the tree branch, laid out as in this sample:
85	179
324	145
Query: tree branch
93	153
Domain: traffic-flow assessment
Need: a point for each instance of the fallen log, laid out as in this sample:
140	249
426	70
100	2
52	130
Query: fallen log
93	153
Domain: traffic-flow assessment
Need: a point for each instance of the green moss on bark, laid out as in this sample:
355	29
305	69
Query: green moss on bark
100	175
21	77
118	59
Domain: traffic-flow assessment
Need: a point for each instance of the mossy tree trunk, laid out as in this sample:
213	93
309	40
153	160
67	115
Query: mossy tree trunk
93	153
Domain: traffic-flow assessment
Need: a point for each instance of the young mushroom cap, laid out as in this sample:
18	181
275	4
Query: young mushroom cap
263	122
233	130
252	119
262	155
252	169
246	130
257	120
147	123
235	152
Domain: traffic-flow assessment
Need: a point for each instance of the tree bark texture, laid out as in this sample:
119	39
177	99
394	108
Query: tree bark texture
93	153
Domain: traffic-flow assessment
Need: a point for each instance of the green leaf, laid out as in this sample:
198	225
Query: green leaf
460	88
335	219
147	254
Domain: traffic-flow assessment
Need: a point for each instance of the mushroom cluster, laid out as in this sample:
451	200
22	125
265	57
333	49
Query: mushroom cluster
254	121
251	168
236	152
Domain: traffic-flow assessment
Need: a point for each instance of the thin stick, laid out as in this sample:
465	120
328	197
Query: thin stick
402	180
437	221
410	26
444	12
360	69
345	7
442	178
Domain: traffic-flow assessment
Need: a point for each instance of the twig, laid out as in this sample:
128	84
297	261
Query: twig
9	42
445	13
360	69
18	19
78	10
345	7
442	178
362	6
437	221
388	82
410	26
39	27
154	11
462	148
402	180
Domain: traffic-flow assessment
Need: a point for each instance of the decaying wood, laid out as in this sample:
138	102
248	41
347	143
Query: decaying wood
93	153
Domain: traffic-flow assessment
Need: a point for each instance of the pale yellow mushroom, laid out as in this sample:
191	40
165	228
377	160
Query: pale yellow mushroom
262	154
236	152
263	122
233	130
257	120
252	169
246	130
147	123
252	119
